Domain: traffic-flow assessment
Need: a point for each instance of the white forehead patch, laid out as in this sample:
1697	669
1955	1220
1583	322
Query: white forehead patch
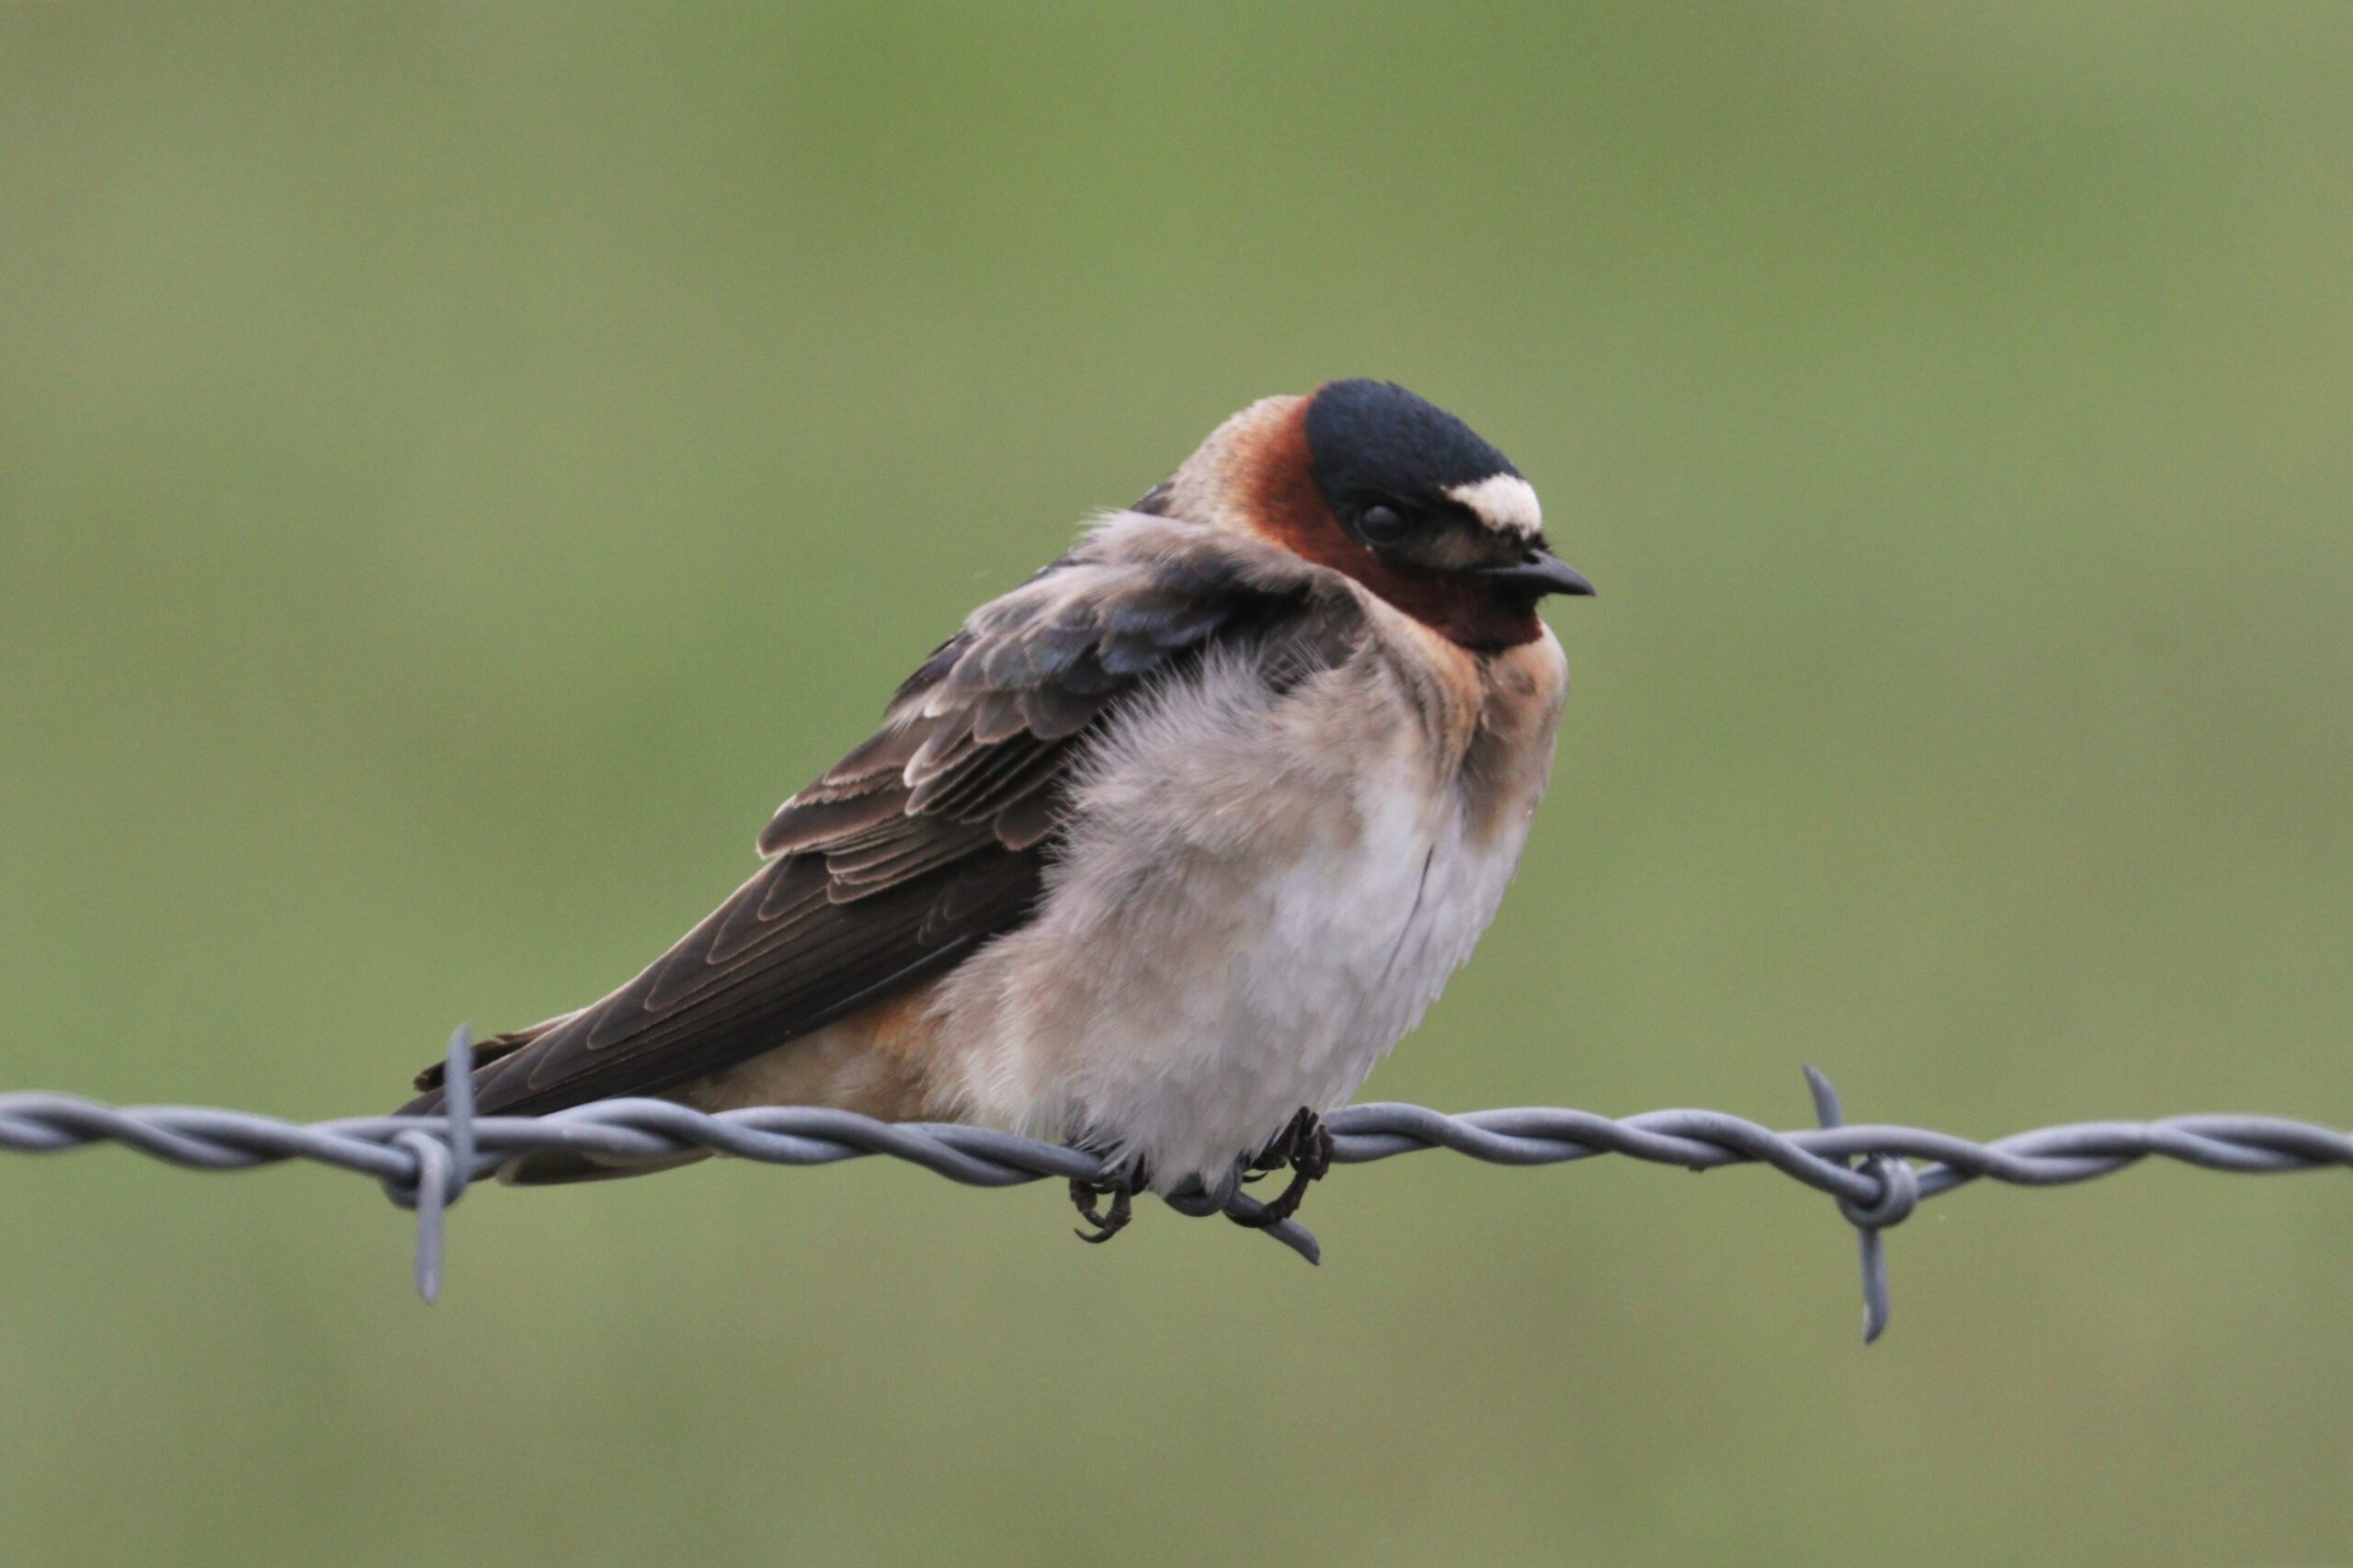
1505	501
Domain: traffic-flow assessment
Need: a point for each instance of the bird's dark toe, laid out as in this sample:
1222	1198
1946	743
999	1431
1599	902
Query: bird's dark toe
1305	1146
1107	1222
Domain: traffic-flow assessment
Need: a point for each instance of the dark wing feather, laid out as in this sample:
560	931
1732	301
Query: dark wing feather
927	839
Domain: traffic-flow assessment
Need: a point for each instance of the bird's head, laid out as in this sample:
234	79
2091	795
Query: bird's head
1386	488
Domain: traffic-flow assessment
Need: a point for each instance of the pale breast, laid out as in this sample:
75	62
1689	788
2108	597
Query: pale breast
1261	893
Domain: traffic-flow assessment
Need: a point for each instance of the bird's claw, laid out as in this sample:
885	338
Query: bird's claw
1108	1222
1305	1146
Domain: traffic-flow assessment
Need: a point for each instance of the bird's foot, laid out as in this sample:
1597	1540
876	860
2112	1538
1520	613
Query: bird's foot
1305	1147
1120	1187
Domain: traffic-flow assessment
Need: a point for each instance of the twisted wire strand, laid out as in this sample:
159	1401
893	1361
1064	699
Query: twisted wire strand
1877	1174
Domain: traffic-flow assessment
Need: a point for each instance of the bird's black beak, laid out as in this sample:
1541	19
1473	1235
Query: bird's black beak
1536	573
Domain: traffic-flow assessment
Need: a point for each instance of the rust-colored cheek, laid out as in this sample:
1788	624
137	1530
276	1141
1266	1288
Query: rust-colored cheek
1285	504
1289	508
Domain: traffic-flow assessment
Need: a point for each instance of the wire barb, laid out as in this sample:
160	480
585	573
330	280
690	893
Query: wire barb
445	1164
1898	1194
1877	1174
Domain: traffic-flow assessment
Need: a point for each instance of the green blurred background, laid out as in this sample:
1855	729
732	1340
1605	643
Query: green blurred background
460	466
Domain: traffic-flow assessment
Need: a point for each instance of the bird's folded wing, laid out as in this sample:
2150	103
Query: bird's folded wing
931	837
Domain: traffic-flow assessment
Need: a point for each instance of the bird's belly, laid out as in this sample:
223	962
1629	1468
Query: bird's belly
1230	991
1348	953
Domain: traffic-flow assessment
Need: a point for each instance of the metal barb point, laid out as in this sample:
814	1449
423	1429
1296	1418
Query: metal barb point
1898	1194
444	1164
458	1104
1197	1201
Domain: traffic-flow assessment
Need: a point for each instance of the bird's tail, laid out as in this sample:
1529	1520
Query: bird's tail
546	1167
434	1081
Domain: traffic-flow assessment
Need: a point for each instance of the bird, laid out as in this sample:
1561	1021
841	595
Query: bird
1160	853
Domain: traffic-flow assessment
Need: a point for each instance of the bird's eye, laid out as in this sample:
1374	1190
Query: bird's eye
1381	524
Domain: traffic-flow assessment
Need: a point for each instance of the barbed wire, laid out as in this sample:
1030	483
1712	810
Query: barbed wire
426	1163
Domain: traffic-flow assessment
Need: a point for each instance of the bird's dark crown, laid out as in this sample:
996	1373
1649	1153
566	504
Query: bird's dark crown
1374	441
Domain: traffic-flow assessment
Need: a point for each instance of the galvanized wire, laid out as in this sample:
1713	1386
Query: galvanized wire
1878	1174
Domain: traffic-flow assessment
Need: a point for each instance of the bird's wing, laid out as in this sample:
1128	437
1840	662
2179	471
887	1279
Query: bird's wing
930	838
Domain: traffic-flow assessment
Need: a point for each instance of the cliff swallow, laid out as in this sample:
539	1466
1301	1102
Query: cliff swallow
1163	851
